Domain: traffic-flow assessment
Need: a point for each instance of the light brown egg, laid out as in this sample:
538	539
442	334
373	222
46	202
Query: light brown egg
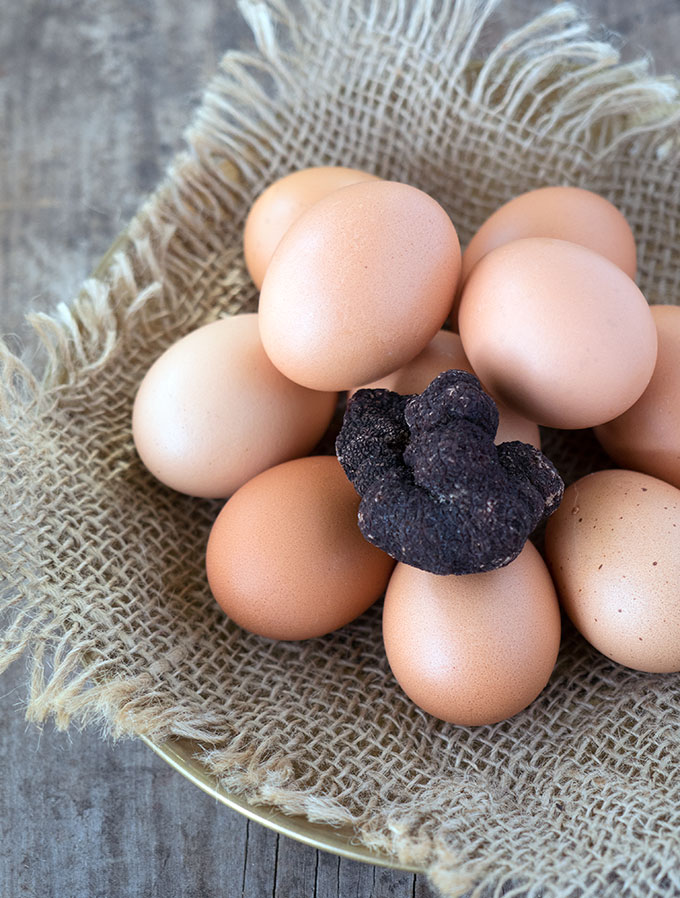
647	437
282	203
614	551
557	332
443	352
286	558
567	213
359	285
477	648
213	411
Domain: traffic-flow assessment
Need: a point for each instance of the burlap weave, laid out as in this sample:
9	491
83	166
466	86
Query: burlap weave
104	582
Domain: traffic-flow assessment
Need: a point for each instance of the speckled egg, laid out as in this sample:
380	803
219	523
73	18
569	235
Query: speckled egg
614	551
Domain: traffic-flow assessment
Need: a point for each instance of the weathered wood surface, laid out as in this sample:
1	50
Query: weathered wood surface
94	95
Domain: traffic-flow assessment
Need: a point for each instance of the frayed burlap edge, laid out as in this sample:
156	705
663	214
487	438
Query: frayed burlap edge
550	77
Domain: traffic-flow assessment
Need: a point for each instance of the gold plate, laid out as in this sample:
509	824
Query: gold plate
341	840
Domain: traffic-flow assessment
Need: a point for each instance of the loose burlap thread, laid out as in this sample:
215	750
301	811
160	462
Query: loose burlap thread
105	590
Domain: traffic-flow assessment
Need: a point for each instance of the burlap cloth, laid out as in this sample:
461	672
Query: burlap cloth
105	587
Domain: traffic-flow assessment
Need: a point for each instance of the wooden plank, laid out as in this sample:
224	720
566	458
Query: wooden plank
296	869
357	880
327	881
260	862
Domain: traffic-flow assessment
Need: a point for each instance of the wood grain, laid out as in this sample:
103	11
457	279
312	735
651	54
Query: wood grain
94	95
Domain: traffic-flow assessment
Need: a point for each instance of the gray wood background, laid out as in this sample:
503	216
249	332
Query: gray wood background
94	95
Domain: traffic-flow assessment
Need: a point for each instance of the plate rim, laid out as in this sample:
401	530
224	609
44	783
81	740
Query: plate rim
341	841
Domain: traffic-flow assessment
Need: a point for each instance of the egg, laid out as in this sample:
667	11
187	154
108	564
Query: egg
285	556
477	648
284	201
614	551
647	436
557	332
358	285
443	352
213	411
567	213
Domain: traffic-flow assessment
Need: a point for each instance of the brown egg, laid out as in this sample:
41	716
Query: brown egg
647	437
443	352
359	285
285	556
213	411
557	332
284	201
567	213
614	550
477	648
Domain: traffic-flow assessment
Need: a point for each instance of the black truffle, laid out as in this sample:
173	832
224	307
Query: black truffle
436	492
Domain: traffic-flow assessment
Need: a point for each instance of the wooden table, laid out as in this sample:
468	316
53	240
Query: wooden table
94	95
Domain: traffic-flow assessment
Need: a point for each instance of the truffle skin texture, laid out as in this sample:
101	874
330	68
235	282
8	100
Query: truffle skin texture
436	493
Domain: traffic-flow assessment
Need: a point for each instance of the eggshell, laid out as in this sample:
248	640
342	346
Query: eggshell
443	352
567	213
284	201
614	551
477	648
557	332
213	411
359	285
285	556
647	437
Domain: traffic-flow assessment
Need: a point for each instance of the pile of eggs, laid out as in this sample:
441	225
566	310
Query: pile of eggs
358	276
